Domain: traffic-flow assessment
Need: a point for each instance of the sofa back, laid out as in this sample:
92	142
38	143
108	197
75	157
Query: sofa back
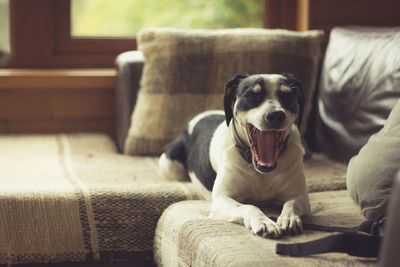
130	66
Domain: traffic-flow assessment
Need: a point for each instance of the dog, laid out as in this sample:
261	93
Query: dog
251	151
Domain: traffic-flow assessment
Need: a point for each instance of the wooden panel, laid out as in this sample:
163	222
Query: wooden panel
45	104
326	14
82	105
3	127
56	101
58	126
57	79
363	11
23	105
281	14
32	32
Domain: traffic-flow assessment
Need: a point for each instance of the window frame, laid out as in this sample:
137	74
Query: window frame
66	43
40	34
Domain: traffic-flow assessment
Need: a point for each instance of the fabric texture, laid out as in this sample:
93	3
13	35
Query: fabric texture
72	198
359	86
186	70
371	173
185	236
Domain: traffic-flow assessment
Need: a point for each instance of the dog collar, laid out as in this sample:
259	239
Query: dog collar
245	150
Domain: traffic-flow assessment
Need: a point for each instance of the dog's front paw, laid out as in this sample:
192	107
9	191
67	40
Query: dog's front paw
263	226
290	223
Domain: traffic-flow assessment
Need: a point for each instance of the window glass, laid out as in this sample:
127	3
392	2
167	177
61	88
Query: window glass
4	26
113	18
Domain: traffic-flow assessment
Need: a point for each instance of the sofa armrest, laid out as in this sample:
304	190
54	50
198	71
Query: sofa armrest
389	255
129	66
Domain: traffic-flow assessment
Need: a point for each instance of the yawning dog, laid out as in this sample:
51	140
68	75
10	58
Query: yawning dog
250	152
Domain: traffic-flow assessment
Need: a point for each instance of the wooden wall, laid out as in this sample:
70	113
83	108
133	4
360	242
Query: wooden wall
44	101
325	14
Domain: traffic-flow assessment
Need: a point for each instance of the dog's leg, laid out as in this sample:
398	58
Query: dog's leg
172	161
227	209
293	209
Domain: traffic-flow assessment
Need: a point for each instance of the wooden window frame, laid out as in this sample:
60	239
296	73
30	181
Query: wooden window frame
66	43
41	35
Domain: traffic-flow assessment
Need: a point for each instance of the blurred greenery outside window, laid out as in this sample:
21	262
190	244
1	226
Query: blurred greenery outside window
4	26
124	18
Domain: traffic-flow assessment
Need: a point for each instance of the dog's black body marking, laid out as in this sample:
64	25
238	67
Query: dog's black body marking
193	150
176	150
198	149
247	98
293	100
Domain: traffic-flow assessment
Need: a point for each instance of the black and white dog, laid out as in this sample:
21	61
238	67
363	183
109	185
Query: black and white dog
253	152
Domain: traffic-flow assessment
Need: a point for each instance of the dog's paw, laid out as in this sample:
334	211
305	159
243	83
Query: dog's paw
266	228
290	223
263	226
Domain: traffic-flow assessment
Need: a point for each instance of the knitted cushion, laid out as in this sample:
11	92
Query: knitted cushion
185	236
185	73
371	173
360	84
72	198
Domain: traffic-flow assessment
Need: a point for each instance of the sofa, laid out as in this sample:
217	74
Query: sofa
77	198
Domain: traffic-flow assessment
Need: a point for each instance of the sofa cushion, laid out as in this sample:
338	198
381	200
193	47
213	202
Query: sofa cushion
360	84
185	73
72	198
371	173
185	236
324	174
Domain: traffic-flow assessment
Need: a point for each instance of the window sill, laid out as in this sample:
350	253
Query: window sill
54	79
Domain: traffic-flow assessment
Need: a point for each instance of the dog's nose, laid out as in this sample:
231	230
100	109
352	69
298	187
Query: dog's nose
275	118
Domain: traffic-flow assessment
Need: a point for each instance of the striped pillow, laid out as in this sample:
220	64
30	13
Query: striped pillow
185	73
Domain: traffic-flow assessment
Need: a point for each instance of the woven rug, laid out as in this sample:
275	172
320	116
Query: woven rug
73	198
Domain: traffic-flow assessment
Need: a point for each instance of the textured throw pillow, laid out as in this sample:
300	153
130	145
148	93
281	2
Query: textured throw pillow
360	84
185	73
371	173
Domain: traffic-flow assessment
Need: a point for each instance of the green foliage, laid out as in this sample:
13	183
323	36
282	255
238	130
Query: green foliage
4	26
127	17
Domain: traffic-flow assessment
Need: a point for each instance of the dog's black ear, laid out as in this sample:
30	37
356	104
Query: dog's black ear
295	84
230	95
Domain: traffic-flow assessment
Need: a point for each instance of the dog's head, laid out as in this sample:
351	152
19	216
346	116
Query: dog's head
266	106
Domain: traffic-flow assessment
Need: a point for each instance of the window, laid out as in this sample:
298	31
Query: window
121	18
83	33
4	27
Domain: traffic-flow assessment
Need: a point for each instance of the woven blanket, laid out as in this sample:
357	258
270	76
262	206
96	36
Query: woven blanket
72	198
185	236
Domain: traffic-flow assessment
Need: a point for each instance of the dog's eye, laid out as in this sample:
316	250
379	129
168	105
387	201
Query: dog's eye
253	92
287	98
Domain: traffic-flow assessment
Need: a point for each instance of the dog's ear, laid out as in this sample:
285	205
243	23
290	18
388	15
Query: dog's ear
230	95
295	84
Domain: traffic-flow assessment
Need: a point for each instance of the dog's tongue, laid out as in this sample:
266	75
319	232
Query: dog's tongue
267	142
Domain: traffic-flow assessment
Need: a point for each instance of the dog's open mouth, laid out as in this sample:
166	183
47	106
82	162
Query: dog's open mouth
265	147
